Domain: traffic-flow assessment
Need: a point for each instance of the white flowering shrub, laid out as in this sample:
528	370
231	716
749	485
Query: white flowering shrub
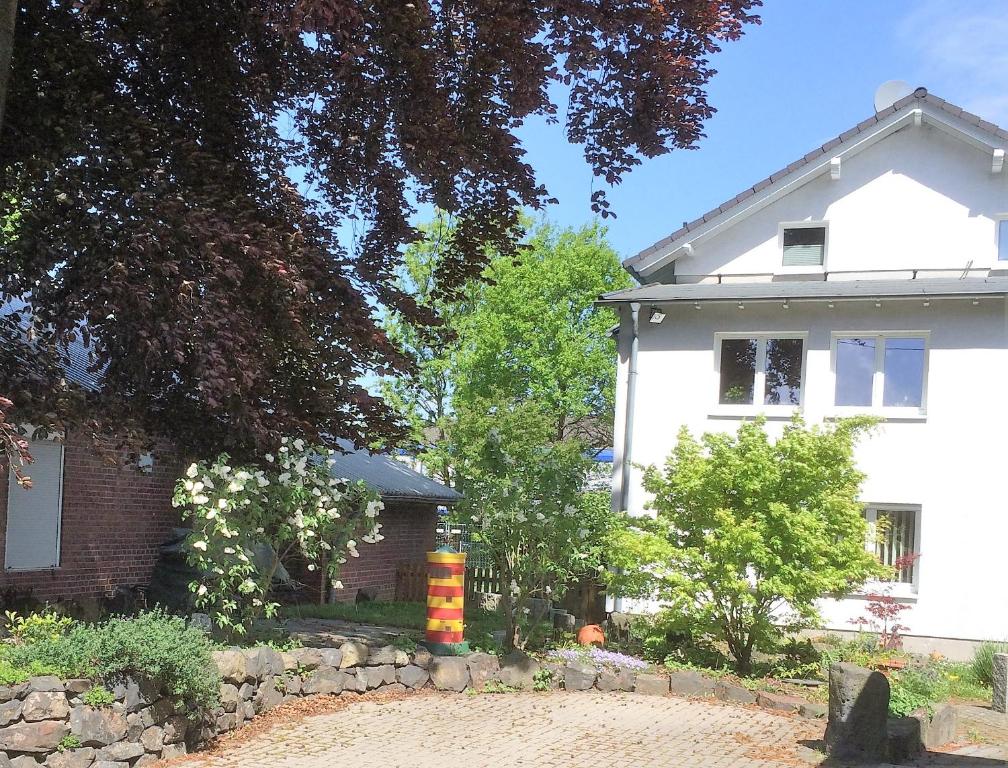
291	503
524	503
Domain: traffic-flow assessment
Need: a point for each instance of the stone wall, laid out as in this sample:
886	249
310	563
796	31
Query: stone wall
45	720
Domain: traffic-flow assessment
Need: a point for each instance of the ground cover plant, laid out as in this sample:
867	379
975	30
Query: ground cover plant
152	646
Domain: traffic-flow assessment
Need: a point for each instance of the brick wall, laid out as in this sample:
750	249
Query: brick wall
113	521
408	528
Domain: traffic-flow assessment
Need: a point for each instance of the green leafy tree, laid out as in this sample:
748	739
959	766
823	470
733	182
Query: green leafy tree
522	495
533	333
749	532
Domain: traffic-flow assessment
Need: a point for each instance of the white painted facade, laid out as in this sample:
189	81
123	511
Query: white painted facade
917	197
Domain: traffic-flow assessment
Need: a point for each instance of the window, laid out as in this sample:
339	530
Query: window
804	246
892	536
880	370
1002	239
33	516
761	369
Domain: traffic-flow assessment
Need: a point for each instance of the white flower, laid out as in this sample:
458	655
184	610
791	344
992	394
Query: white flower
200	499
549	590
260	529
540	516
570	510
197	487
269	457
299	444
211	513
188	485
202	590
284	477
311	566
248	586
228	550
338	584
200	545
222	503
234	486
191	472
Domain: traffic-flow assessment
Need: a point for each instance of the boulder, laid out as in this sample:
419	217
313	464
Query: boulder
173	750
121	752
46	683
903	739
11	692
268	696
387	654
48	705
999	701
736	694
152	738
133	695
71	758
356	680
688	682
77	686
779	702
175	729
377	676
412	676
938	728
483	667
422	657
579	676
266	661
247	691
10	711
331	657
449	673
24	761
353	654
518	670
618	680
229	697
813	710
290	661
41	737
325	680
226	722
97	727
292	685
233	666
308	658
858	713
146	761
651	685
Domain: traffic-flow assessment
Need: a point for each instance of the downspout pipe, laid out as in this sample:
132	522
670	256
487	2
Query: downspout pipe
631	396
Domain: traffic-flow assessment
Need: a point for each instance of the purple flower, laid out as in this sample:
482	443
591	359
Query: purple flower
614	659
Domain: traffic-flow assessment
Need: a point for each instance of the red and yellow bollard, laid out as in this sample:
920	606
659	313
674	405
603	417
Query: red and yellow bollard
445	602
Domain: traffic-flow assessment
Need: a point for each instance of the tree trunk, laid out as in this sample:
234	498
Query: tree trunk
8	15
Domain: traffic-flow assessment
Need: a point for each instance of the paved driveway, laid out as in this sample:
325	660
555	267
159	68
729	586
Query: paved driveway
541	731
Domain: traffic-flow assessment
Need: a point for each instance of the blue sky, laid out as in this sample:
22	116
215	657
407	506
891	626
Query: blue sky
808	73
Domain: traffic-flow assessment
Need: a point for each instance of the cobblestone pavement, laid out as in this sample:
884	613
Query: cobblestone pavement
541	731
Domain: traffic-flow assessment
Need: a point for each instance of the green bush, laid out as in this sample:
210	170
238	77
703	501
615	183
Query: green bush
153	646
37	626
983	661
98	696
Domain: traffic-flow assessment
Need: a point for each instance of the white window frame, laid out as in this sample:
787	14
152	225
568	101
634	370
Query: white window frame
759	381
59	519
894	588
802	270
878	379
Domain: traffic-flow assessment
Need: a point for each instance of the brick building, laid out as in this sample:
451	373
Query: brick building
88	527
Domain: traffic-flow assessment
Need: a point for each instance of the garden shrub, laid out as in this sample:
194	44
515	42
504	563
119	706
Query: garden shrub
983	661
37	626
153	646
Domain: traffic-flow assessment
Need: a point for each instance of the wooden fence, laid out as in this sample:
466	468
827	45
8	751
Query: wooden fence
411	582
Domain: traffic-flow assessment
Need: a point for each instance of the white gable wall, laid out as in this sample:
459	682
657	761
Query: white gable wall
950	462
917	199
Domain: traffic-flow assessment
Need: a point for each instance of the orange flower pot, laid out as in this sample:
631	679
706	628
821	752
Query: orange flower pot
591	634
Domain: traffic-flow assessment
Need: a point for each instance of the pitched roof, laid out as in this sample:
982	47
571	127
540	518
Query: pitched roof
848	137
391	478
811	289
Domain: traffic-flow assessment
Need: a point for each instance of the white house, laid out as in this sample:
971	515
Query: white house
869	276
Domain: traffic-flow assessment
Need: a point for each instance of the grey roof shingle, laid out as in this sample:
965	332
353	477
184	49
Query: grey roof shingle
919	95
808	289
392	479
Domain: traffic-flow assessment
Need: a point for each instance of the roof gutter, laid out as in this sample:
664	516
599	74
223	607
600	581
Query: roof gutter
629	410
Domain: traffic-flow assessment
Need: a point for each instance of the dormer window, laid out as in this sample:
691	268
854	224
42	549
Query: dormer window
804	245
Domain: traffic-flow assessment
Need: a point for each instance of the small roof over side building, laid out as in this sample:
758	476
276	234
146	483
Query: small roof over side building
391	478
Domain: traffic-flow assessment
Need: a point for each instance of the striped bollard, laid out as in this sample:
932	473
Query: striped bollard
445	602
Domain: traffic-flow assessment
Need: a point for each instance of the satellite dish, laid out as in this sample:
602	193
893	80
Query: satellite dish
890	92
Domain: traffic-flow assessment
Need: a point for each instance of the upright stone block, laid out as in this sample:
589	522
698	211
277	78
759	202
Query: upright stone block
1000	701
858	714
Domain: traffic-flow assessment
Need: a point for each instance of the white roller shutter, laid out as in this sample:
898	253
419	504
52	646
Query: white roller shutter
33	516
